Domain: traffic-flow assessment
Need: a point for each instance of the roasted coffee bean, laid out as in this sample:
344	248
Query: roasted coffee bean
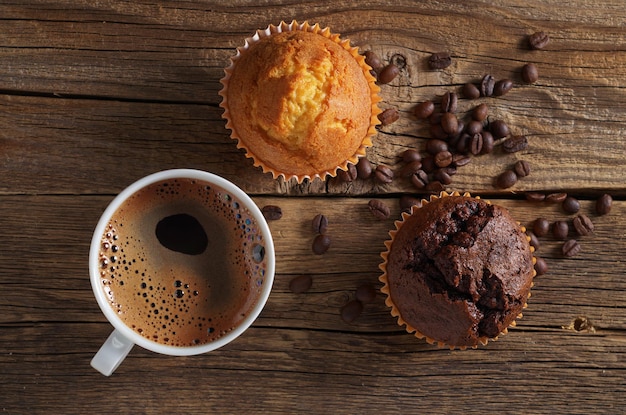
320	224
300	284
534	241
502	87
535	196
383	174
480	112
388	74
449	123
462	144
604	204
541	267
410	169
434	146
365	293
476	144
272	212
449	102
351	311
321	243
556	197
560	229
428	164
530	73
379	209
420	179
407	202
538	40
364	168
474	127
443	158
571	248
506	179
442	176
435	186
435	118
499	129
488	142
486	86
411	155
440	60
348	175
570	205
437	131
389	116
522	168
373	60
583	225
460	160
424	109
541	226
471	91
515	143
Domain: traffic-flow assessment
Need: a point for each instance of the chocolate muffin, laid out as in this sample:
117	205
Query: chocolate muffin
457	271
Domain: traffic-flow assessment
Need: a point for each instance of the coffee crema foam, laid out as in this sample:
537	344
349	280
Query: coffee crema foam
175	298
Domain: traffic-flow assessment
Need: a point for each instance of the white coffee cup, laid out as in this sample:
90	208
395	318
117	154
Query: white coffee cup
123	337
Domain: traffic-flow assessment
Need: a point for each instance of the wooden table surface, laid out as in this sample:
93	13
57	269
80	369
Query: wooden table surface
94	95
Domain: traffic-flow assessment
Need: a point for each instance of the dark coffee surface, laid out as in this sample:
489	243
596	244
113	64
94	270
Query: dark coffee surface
180	262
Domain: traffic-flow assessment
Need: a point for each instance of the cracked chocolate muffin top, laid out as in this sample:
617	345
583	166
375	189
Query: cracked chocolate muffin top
458	271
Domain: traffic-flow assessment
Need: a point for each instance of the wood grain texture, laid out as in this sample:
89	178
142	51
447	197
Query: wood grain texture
94	95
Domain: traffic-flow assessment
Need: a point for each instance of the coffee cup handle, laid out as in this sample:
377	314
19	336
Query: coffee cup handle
112	353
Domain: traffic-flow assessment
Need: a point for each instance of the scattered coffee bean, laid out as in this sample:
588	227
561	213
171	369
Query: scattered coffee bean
535	196
499	129
389	116
435	118
349	175
410	169
560	229
460	160
515	143
541	226
442	176
440	60
471	91
541	267
486	86
571	248
388	74
437	131
488	142
502	87
383	174
538	40
443	159
449	123
530	73
365	293
411	155
364	168
379	209
320	224
434	146
583	225
321	243
570	205
449	102
373	60
435	186
480	112
428	164
522	168
476	144
300	284
407	202
556	197
506	179
420	179
474	127
534	240
424	109
351	311
272	212
604	204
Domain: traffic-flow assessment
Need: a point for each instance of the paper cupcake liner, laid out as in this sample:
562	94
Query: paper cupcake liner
345	43
395	312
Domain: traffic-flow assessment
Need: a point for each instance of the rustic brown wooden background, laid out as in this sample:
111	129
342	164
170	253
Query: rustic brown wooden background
94	95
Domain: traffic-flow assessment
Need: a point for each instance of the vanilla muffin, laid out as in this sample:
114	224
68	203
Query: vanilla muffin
457	271
300	101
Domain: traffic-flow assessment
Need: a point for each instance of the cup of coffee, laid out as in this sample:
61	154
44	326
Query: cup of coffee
181	263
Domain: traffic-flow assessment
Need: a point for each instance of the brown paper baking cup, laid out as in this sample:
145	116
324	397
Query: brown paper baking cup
250	151
395	312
